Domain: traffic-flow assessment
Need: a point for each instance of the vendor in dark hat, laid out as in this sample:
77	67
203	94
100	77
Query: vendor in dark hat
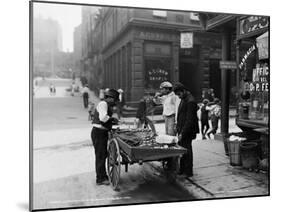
102	123
187	127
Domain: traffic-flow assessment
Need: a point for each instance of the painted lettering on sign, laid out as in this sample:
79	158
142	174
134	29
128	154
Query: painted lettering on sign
260	79
260	74
228	65
156	36
250	50
158	75
259	87
252	24
186	40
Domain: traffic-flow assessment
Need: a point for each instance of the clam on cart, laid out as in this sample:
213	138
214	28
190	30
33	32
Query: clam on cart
129	146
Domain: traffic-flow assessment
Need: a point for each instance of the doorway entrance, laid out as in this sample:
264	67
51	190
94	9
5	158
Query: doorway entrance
215	77
188	76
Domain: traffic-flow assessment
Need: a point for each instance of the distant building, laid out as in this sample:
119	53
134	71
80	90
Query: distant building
47	42
77	49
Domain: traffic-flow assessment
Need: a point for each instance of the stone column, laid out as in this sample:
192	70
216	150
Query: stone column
175	64
137	70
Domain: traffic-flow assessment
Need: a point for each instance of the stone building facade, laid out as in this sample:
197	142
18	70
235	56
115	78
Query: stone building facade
137	49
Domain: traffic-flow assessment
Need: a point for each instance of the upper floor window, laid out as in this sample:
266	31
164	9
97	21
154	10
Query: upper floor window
194	16
179	18
159	13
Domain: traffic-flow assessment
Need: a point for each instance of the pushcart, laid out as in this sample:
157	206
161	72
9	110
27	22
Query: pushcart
121	152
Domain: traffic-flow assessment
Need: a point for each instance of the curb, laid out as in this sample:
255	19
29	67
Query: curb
194	189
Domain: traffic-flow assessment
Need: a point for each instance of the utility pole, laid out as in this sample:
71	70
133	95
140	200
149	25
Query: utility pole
225	81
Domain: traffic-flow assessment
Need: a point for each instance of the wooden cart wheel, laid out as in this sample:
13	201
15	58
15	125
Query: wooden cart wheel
113	163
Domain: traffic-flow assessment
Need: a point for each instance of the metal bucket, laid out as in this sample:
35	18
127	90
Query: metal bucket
234	152
249	155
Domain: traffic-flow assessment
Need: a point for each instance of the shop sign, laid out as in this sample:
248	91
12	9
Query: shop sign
158	75
262	44
157	49
228	65
155	36
252	24
250	50
186	40
260	79
259	87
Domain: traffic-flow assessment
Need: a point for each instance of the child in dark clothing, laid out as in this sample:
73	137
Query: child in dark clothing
204	119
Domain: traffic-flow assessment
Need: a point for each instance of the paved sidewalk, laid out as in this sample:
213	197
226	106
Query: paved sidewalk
214	177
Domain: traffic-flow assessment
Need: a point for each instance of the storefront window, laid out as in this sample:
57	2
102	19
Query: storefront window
254	82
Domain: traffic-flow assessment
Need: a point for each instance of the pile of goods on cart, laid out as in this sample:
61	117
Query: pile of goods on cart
146	138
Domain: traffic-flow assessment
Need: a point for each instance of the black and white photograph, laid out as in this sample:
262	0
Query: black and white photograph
135	105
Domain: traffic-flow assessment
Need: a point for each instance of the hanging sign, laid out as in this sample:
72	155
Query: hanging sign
186	40
250	50
228	65
262	44
252	23
260	78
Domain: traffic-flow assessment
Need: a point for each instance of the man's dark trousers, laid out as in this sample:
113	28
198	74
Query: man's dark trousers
186	162
99	139
86	99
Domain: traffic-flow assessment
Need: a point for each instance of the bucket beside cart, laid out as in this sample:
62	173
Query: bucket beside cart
236	136
234	152
249	155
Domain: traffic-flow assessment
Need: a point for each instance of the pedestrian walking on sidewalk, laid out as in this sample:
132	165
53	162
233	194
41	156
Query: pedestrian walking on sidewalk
215	113
52	89
85	93
102	124
72	89
187	127
204	118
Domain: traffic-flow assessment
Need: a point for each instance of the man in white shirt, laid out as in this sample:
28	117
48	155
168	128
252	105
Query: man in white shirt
170	104
102	123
